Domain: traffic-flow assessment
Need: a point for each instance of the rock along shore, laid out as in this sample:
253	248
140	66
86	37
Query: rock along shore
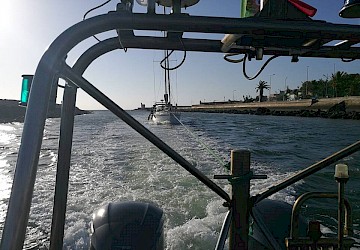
335	108
10	111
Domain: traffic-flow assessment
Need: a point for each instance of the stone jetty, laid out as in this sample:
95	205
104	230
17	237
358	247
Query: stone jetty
335	108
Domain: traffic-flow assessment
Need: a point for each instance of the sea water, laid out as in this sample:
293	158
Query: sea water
111	162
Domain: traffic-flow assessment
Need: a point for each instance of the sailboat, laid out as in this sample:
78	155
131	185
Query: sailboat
164	112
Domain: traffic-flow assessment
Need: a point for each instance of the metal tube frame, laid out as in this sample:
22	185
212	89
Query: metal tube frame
63	167
310	195
341	201
65	142
52	63
224	231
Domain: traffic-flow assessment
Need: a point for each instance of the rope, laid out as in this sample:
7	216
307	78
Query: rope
217	157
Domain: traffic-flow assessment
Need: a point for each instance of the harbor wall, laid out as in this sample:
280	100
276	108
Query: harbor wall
341	107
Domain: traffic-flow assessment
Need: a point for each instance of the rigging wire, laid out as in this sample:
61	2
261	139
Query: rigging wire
154	80
167	75
176	88
157	83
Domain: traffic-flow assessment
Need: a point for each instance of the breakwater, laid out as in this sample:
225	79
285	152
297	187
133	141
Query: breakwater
11	111
335	108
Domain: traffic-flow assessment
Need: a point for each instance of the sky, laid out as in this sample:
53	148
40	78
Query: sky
27	28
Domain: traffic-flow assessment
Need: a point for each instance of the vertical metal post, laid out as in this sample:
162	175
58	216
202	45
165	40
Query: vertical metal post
341	176
53	95
341	214
63	167
176	8
307	81
240	168
151	7
26	166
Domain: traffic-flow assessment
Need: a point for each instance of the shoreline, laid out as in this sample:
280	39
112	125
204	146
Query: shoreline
11	111
334	108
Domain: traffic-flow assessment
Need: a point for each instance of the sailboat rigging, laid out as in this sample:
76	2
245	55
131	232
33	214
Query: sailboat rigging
164	111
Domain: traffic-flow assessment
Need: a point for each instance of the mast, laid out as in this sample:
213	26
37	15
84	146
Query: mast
166	72
168	75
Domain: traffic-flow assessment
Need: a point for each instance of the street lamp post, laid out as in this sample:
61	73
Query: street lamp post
285	89
307	80
270	86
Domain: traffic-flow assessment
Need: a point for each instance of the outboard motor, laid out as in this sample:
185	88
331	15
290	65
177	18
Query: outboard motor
273	225
127	225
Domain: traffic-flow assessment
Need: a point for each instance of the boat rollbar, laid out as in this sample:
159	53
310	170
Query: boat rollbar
52	65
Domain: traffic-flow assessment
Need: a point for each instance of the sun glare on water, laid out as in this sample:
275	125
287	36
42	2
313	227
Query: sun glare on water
5	136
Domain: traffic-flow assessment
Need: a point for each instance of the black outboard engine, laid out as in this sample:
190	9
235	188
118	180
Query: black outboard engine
127	225
276	217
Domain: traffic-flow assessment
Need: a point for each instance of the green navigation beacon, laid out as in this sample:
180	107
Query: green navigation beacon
25	89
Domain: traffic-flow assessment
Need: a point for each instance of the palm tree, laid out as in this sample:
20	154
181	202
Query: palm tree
260	88
336	79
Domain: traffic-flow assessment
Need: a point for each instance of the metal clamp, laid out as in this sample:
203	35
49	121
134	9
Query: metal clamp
236	179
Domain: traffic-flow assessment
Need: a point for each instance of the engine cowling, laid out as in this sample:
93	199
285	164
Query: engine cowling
127	225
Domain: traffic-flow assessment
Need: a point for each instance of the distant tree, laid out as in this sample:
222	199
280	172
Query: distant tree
336	79
339	84
248	99
354	85
260	88
315	88
345	84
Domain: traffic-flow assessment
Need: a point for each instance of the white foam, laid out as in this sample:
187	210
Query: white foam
197	233
6	127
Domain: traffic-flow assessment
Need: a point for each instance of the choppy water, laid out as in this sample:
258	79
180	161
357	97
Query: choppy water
110	162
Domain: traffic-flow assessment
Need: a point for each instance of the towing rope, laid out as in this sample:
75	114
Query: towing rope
219	159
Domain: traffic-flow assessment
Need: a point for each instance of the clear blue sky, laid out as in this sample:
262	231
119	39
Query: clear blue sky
28	27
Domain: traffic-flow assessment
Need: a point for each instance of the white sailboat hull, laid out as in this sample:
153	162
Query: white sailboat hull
166	117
